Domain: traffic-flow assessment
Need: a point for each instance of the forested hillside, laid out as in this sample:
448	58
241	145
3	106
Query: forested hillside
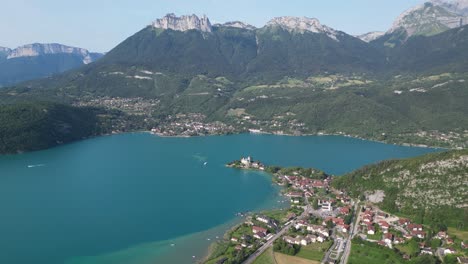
34	126
432	189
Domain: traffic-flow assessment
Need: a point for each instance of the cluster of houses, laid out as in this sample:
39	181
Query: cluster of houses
259	230
192	124
304	188
317	234
338	222
371	218
305	185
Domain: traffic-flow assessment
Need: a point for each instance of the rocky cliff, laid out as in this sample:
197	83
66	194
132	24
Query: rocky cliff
302	25
36	49
183	23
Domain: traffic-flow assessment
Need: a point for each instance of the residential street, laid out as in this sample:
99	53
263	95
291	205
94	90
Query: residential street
354	229
267	244
272	240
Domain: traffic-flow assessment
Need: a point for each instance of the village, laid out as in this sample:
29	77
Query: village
192	124
316	224
377	226
321	223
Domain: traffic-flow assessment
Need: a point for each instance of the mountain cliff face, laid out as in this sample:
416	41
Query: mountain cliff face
371	36
36	49
183	23
301	25
237	24
455	6
427	20
40	60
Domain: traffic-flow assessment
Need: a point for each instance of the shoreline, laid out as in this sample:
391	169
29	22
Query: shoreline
19	152
213	245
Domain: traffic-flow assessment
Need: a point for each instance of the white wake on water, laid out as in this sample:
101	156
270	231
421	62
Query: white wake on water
36	165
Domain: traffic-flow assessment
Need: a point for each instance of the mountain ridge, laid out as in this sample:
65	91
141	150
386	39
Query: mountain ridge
39	49
280	80
38	60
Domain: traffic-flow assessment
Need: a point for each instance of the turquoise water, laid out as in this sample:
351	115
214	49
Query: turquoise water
126	198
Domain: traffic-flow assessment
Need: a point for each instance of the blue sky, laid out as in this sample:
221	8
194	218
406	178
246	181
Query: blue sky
99	25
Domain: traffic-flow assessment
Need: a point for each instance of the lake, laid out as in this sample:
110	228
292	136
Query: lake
126	198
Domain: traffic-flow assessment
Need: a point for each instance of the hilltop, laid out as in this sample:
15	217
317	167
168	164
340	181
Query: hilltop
431	189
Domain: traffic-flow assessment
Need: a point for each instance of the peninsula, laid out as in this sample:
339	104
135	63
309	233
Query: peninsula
333	220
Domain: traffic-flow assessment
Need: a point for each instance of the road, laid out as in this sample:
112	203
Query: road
265	246
330	250
353	232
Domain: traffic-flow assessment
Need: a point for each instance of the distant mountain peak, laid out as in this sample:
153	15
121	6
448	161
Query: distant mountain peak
38	49
302	24
183	23
455	6
238	24
368	37
428	19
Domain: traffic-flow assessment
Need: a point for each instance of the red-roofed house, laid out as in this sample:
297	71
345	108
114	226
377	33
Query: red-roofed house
403	221
344	210
415	227
257	229
418	234
388	238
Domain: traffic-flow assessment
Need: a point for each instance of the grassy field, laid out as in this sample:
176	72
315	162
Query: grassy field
280	215
367	253
314	251
285	259
404	249
376	236
463	235
266	258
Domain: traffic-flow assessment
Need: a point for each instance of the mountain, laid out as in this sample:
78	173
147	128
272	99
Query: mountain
371	36
430	189
454	6
302	25
236	24
40	60
4	52
294	75
187	49
444	52
183	23
427	19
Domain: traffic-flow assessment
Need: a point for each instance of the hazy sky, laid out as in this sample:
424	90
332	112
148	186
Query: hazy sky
99	25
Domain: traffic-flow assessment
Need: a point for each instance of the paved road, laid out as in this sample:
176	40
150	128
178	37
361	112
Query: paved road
330	250
353	232
267	245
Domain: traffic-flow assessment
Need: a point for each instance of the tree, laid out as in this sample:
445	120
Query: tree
442	227
315	204
425	259
435	243
413	247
